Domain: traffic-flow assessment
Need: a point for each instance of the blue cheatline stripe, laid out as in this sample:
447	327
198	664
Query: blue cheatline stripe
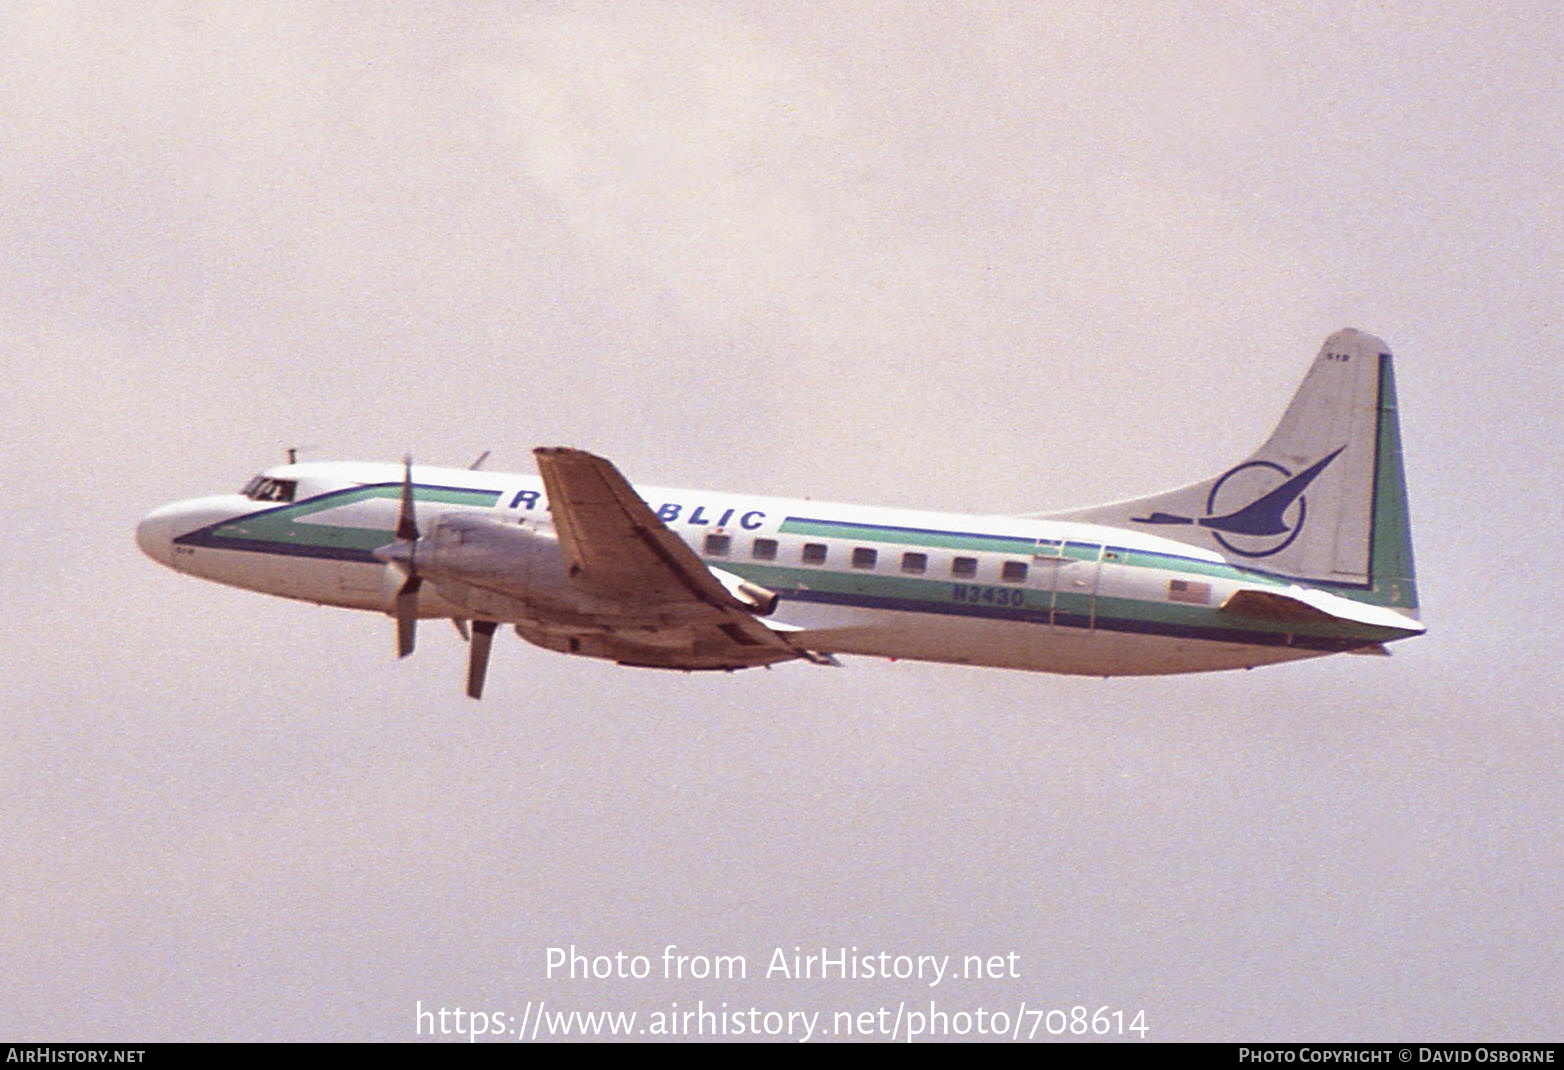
281	549
1236	635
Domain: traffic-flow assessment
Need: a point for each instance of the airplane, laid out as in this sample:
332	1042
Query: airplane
1302	549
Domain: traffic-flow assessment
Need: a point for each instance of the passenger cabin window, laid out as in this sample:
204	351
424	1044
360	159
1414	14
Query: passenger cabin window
764	550
965	567
863	557
718	545
915	564
261	489
1013	572
814	553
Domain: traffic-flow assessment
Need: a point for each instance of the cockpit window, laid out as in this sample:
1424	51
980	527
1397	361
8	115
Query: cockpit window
262	489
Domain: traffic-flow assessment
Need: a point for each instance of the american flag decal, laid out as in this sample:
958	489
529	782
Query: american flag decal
1189	591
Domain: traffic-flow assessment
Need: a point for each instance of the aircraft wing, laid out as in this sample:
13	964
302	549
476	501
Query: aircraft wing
617	547
611	539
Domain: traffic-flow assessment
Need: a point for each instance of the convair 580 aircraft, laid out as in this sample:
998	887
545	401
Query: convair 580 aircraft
1301	550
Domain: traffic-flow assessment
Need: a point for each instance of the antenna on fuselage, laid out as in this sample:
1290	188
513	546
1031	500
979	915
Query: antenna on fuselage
484	456
293	454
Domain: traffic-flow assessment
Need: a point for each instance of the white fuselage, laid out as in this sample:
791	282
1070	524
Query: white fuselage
983	590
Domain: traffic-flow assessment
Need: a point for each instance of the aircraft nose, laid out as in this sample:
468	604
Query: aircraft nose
155	534
161	527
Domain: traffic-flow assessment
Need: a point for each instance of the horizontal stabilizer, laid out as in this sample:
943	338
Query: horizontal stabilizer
1270	605
1300	605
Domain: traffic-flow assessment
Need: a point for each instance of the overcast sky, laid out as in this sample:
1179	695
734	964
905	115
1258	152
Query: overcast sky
980	257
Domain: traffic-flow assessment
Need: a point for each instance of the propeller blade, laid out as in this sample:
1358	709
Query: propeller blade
407	521
478	662
407	616
402	555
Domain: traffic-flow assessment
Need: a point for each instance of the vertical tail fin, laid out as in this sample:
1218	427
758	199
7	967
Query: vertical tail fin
1323	501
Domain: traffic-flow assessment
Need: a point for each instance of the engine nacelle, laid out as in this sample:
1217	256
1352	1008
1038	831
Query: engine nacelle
516	572
501	571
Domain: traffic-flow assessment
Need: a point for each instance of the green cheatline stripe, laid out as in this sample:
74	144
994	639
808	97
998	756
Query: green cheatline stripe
916	592
289	525
1021	547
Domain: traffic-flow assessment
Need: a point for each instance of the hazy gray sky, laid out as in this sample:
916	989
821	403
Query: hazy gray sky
988	257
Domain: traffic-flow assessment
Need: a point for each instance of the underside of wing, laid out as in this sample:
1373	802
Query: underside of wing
686	646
